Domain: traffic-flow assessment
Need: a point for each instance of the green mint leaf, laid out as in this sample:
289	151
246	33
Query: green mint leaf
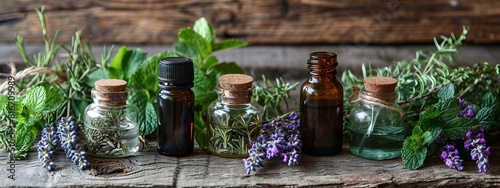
209	62
188	51
447	92
489	100
139	98
35	99
485	117
134	60
417	131
413	159
458	126
200	127
449	113
448	103
202	27
204	88
126	62
148	73
54	100
226	68
430	135
151	119
192	38
115	68
228	44
96	75
24	139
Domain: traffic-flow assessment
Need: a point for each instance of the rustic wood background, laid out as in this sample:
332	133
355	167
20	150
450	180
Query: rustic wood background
257	21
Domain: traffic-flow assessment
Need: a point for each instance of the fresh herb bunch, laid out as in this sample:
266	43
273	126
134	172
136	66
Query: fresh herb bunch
48	88
420	79
197	43
446	119
280	138
41	105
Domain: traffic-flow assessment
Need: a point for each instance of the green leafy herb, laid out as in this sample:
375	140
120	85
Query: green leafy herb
440	119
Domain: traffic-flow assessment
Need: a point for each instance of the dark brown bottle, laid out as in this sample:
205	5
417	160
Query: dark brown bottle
321	107
175	107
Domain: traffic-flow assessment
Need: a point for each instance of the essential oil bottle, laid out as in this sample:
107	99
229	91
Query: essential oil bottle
321	107
175	107
234	121
376	124
111	128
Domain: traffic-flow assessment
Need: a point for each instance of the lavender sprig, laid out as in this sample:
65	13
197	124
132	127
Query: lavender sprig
280	138
451	157
47	145
476	143
68	133
465	109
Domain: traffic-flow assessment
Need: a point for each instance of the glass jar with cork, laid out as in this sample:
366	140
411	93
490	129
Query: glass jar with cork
234	121
376	126
110	125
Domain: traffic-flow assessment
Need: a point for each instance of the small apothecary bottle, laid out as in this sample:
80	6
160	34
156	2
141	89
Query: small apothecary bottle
175	107
111	128
376	125
321	107
234	121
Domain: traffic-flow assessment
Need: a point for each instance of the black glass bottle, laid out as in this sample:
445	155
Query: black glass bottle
175	107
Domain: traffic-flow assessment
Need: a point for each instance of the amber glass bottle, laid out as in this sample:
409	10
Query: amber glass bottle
175	107
321	106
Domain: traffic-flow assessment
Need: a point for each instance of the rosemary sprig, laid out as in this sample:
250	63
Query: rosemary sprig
271	96
420	79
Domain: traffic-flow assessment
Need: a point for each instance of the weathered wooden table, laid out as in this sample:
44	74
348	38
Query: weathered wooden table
149	169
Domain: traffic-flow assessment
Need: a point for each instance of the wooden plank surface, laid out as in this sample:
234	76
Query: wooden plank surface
149	169
259	22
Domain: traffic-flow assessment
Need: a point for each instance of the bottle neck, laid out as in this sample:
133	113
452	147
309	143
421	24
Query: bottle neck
110	99
389	98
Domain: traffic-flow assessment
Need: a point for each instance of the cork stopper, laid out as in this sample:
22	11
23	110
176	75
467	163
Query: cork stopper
380	84
111	92
381	87
236	88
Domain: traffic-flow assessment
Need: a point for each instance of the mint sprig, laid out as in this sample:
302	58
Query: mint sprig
442	119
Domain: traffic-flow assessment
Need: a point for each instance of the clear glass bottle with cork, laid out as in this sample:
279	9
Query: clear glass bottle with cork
175	107
234	121
321	107
376	125
110	125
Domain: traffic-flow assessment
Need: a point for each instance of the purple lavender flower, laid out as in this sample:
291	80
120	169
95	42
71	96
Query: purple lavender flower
476	143
451	157
47	145
68	133
465	109
280	138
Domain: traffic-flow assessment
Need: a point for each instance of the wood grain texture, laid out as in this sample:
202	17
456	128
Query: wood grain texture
149	169
259	22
